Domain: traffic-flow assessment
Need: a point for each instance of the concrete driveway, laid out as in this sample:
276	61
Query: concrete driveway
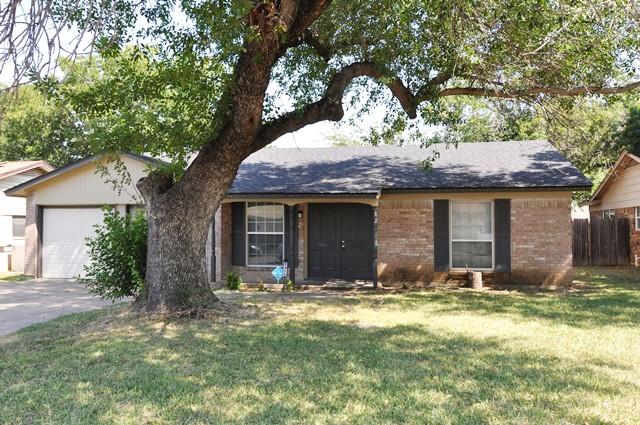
32	301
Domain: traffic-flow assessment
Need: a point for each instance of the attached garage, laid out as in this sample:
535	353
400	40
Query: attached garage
64	205
64	234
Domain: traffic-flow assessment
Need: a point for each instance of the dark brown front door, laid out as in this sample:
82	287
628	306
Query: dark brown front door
340	241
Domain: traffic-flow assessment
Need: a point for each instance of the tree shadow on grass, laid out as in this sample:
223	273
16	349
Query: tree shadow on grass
303	371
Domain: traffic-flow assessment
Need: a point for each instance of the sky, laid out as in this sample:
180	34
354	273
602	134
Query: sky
312	136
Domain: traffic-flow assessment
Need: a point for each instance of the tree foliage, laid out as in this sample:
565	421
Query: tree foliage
167	92
35	127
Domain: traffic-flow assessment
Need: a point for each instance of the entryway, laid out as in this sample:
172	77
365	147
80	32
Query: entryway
340	241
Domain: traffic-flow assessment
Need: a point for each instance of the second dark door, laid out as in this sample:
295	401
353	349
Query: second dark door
340	241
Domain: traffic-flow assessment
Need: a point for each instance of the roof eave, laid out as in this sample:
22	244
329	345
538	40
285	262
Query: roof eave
578	188
239	195
21	189
44	165
612	172
302	195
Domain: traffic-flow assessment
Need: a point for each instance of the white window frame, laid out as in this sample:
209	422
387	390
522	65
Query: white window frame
608	214
493	236
247	233
637	218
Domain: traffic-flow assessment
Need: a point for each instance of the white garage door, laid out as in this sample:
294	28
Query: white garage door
64	251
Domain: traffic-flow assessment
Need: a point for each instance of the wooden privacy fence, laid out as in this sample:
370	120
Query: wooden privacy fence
601	242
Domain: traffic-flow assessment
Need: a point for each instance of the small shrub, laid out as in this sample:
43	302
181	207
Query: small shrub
117	256
261	286
289	285
234	281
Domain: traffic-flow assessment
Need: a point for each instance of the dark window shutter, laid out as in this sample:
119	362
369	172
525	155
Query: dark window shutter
502	212
287	234
441	235
238	234
291	234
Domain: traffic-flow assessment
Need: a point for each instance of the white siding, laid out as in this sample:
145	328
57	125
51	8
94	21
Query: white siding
6	230
624	192
86	186
10	205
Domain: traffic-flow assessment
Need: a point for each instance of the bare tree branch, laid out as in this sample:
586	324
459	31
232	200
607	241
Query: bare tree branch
32	39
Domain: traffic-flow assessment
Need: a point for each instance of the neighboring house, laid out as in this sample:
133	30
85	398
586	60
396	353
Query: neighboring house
64	205
356	213
13	211
619	196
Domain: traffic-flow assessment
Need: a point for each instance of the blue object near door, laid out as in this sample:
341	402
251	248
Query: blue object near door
278	273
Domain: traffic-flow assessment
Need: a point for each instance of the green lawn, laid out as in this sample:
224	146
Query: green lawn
13	277
419	357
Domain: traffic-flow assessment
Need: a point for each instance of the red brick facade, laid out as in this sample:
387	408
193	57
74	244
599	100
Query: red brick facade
540	243
405	240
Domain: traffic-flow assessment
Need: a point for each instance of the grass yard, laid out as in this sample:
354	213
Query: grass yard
444	357
13	277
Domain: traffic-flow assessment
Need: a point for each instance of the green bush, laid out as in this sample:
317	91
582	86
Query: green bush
289	286
118	256
234	280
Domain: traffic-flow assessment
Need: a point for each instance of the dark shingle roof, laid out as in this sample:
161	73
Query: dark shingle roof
364	169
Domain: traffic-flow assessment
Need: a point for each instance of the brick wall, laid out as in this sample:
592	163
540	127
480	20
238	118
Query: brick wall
405	240
31	238
541	241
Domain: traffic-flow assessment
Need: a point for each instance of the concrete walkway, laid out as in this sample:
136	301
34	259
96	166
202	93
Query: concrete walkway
32	301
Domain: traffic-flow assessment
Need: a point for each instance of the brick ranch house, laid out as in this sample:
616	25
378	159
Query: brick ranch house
374	213
351	213
618	195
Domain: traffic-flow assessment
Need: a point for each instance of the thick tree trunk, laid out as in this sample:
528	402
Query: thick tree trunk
176	277
179	221
180	213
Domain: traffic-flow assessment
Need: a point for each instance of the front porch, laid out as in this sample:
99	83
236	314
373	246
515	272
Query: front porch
324	243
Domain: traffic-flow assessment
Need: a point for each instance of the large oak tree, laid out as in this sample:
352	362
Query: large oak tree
257	70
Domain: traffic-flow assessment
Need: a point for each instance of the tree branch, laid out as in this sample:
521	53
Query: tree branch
330	106
310	10
311	39
533	91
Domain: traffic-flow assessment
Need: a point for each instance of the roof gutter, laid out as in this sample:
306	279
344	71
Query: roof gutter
489	189
367	195
379	193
